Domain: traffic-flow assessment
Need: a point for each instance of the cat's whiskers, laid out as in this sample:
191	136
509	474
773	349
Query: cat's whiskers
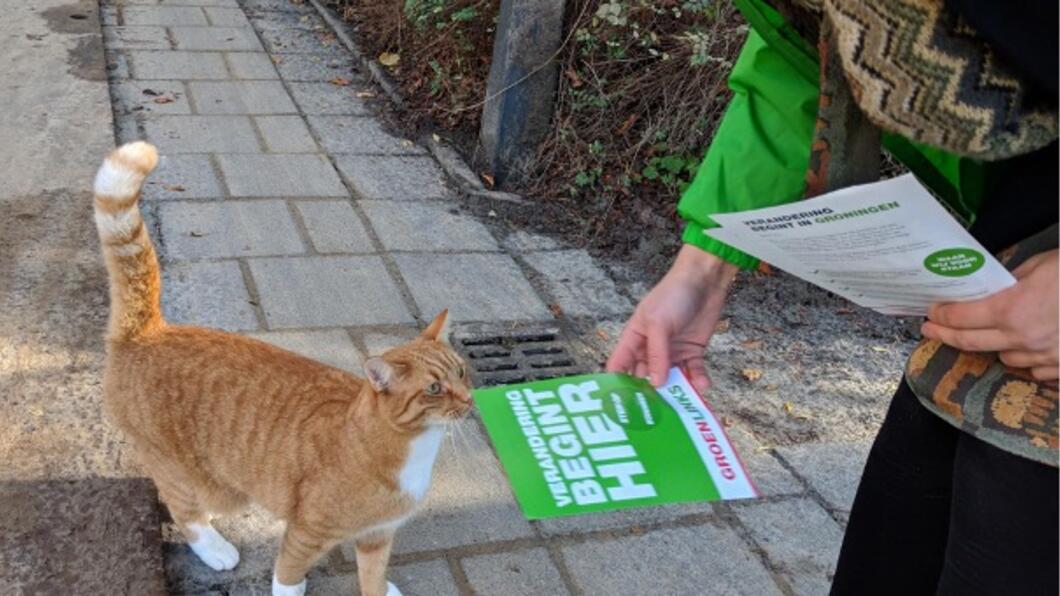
457	433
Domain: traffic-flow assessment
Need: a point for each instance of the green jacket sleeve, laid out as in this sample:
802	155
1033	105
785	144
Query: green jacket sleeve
761	149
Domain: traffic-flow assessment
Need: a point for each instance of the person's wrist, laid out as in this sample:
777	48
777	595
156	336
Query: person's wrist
697	266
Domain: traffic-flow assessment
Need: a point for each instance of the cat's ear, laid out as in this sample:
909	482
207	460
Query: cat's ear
438	330
379	373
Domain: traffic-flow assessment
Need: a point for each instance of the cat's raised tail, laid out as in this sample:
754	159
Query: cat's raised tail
135	283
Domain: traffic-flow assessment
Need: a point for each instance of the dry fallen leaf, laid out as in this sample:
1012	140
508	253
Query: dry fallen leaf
173	187
556	310
340	81
389	59
488	179
788	407
722	326
726	422
575	80
751	374
764	268
164	99
844	311
602	334
751	344
276	59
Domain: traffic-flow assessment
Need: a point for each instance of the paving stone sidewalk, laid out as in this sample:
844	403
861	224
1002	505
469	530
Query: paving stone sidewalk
285	210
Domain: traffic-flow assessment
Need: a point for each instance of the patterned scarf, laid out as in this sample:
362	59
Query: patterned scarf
917	70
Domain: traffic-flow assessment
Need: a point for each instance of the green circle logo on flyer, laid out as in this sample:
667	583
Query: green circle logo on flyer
954	262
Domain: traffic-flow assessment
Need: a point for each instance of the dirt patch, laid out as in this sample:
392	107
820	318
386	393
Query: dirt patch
86	57
641	91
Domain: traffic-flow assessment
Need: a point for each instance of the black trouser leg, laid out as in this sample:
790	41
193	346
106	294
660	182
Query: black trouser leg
895	541
1003	525
939	511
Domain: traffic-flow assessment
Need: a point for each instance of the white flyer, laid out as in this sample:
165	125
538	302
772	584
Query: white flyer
889	246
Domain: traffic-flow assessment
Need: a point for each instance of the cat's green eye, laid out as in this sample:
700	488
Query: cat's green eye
434	388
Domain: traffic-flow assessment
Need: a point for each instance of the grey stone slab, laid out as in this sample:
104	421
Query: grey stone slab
327	291
329	346
363	136
226	17
768	475
207	294
514	573
578	285
183	177
687	561
153	97
334	227
799	538
202	134
300	41
316	67
328	98
286	134
833	469
135	38
523	241
169	16
251	65
228	229
216	38
398	178
296	175
624	519
378	343
469	502
475	287
403	225
240	97
177	65
427	578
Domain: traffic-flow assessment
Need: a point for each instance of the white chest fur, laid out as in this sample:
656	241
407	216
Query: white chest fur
415	476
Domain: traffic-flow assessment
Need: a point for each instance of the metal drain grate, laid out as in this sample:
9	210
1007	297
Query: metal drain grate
498	356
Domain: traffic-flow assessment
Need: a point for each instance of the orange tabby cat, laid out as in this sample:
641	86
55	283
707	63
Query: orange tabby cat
220	420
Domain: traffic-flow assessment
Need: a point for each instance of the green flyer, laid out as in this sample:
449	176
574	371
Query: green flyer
603	442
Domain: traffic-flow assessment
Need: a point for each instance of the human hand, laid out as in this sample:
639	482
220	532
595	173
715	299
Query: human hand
673	324
1020	323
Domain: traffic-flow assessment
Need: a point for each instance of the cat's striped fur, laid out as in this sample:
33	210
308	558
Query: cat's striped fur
220	420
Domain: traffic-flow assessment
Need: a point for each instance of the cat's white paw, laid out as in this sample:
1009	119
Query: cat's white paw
392	590
212	548
279	589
